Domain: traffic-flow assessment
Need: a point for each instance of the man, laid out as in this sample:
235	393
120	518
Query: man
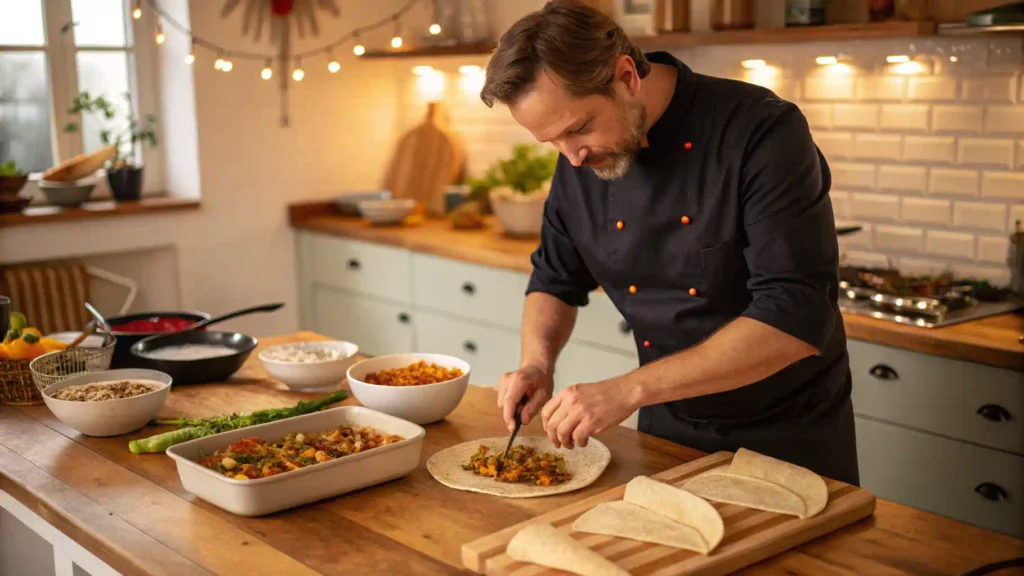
700	206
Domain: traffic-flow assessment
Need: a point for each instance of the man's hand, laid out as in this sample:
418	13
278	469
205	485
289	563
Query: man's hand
582	410
531	381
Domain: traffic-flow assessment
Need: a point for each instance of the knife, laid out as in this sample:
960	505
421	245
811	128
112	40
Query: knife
519	423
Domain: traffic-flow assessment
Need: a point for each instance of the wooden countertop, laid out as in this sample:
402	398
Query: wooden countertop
97	209
132	512
994	340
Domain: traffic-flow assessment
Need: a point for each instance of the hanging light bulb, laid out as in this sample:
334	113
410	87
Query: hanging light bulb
298	74
396	41
227	66
191	52
160	36
332	64
219	63
267	71
137	10
435	28
359	49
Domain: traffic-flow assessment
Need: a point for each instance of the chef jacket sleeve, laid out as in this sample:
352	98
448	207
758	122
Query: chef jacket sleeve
558	268
792	251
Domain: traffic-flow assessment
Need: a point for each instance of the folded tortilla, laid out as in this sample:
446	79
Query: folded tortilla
544	545
809	486
626	520
678	505
746	491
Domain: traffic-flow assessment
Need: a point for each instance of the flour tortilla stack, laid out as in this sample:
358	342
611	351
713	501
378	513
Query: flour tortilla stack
544	545
764	483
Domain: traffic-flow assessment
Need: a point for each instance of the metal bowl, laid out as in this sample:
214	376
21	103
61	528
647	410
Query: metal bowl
60	365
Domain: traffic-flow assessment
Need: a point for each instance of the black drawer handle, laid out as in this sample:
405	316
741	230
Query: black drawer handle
353	264
469	346
403	317
883	372
994	413
468	288
991	492
624	327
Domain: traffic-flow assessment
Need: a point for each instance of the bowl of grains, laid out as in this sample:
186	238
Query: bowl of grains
420	388
109	402
310	365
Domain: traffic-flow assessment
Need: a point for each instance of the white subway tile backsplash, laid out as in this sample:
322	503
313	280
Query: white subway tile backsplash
998	275
848	175
1016	213
829	88
862	116
953	181
909	178
932	88
920	267
840	203
978	215
926	210
905	117
1004	119
983	152
817	115
878	146
899	238
835	144
990	89
993	249
930	149
868	205
1003	185
869	259
957	118
951	244
880	87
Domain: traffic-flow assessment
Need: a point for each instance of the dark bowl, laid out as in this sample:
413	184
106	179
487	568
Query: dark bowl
125	340
196	371
11	185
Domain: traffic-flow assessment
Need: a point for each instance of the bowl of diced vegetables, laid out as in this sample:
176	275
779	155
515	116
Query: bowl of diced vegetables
310	365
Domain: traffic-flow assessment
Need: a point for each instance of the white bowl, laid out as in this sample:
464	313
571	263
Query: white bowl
419	404
91	341
311	375
109	417
387	211
523	216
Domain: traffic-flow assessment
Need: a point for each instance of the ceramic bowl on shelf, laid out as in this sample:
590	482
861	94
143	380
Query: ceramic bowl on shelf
67	194
347	204
309	365
387	212
518	214
421	404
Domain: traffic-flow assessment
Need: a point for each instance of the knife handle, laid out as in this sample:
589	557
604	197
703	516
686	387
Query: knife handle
519	409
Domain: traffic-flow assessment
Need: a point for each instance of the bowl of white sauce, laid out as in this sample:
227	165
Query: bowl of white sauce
310	365
195	356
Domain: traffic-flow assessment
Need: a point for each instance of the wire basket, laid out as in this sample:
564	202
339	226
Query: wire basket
16	386
58	366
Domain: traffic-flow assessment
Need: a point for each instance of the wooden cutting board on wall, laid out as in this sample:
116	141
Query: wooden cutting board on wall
750	535
426	159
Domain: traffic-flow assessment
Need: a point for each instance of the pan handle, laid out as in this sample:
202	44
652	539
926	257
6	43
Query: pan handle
229	316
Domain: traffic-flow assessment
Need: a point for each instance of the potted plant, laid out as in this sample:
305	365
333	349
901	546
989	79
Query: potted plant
518	187
123	174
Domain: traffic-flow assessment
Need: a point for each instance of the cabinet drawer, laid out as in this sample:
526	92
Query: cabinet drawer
364	267
942	476
377	327
963	400
490	351
600	322
469	290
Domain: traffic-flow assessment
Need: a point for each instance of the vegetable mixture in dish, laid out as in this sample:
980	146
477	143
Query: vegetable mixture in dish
251	458
102	391
301	354
415	374
523	464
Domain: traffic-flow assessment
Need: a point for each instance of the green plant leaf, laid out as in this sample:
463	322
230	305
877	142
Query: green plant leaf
71	127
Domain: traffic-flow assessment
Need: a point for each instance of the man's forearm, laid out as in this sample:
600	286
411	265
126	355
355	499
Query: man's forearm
547	325
741	353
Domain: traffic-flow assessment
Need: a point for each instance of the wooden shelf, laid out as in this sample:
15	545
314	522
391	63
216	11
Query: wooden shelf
97	209
827	33
430	51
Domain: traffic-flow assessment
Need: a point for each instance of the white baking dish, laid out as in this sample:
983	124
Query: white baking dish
298	487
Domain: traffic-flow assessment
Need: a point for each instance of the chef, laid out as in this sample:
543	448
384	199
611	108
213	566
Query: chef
700	206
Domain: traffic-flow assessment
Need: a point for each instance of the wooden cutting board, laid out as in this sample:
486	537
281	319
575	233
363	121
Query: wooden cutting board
750	535
427	158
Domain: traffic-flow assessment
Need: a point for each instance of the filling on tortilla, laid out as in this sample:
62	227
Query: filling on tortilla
523	464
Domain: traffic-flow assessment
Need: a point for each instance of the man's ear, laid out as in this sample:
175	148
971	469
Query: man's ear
625	72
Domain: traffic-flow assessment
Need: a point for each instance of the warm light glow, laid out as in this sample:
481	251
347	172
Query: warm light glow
267	73
763	76
753	64
954	59
826	60
421	70
396	42
908	68
190	58
471	82
839	69
137	13
359	49
897	59
435	29
469	69
218	64
160	37
298	74
333	66
227	66
430	85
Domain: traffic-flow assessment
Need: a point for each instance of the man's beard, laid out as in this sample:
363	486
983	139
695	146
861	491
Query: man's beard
617	164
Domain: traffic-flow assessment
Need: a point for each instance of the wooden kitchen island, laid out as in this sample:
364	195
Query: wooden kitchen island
131	512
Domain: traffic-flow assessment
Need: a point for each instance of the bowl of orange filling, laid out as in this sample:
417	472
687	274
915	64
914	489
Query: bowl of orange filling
420	388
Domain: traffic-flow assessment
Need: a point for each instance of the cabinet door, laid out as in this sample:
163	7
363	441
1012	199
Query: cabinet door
490	351
579	364
365	267
377	327
599	322
478	293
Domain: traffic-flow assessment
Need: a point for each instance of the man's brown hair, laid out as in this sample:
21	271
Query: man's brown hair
577	43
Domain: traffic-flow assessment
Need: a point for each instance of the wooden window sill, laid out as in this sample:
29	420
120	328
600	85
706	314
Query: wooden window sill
97	209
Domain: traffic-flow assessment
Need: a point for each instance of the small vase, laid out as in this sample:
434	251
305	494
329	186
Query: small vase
125	183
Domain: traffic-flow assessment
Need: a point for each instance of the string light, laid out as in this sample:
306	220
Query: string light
332	64
298	74
137	10
753	64
267	71
897	59
435	28
219	63
826	60
160	36
226	66
191	52
396	41
359	49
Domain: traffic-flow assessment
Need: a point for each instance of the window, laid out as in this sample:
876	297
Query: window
51	50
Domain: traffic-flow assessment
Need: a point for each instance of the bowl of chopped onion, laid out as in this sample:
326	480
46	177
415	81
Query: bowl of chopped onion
310	365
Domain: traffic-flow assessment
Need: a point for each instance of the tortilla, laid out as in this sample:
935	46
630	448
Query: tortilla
678	505
584	464
627	520
746	491
543	544
809	486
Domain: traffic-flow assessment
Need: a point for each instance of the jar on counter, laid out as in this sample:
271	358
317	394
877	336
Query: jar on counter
805	12
732	14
